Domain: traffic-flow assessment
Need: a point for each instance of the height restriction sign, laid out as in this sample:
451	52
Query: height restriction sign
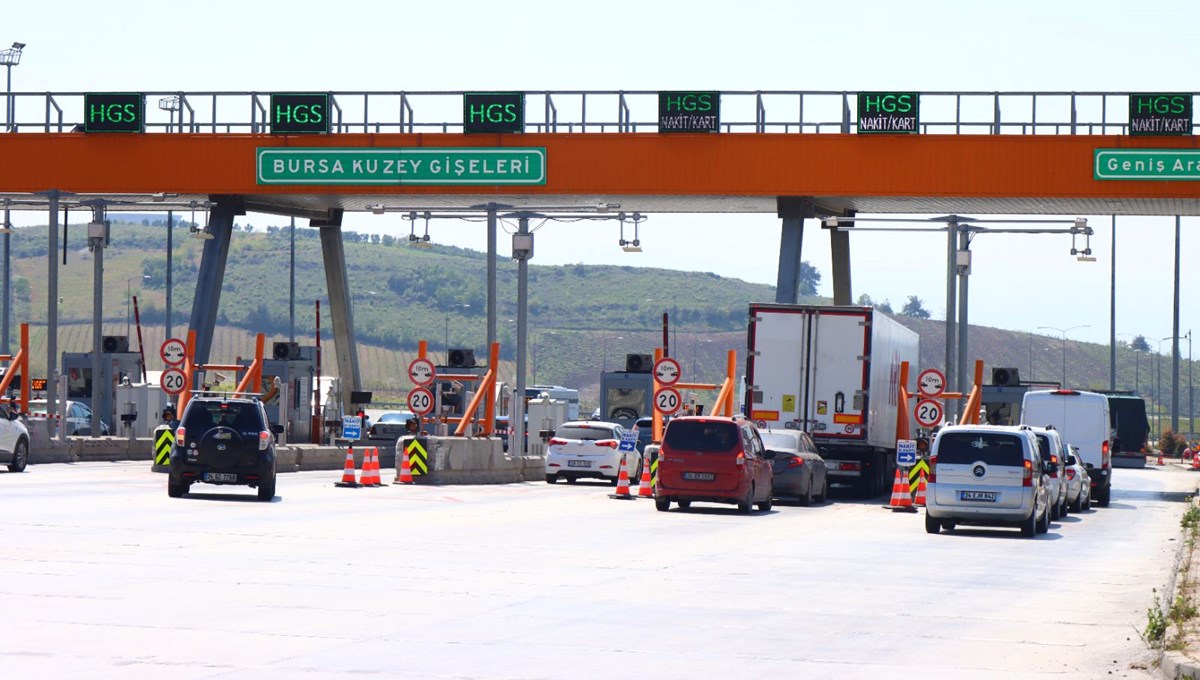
666	371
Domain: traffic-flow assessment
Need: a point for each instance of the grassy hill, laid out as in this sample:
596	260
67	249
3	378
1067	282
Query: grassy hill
583	318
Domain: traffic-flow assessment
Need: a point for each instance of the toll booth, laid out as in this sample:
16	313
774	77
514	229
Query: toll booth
451	397
626	396
116	368
296	367
139	407
543	418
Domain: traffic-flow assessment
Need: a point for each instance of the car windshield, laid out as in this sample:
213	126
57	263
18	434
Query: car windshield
700	435
993	448
585	432
241	416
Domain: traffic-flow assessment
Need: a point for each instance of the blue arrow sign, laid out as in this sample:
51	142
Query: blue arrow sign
628	441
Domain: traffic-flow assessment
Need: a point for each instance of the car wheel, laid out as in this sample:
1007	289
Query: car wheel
550	479
176	489
745	505
572	480
1053	511
663	504
1087	502
684	505
824	495
1065	509
1044	525
1029	527
1102	498
807	497
949	526
765	506
20	456
266	491
932	526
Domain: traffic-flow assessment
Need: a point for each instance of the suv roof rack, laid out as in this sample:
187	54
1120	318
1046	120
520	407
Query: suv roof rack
235	395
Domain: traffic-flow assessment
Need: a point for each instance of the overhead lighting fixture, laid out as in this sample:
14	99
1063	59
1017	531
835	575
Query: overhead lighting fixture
1080	222
1086	258
377	208
830	222
198	233
413	239
635	245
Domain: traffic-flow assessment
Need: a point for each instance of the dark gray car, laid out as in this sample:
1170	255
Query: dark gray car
799	469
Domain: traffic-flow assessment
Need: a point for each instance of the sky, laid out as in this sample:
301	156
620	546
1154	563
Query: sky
1019	282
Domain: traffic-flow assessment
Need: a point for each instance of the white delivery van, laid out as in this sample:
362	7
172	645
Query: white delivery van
1082	419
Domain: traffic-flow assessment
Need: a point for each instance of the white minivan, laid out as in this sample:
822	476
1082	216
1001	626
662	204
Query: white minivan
1082	419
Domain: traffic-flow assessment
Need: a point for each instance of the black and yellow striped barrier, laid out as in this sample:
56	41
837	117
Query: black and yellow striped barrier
418	457
164	439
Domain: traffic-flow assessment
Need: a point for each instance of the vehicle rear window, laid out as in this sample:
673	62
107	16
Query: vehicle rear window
696	435
240	416
780	442
993	448
585	433
1044	447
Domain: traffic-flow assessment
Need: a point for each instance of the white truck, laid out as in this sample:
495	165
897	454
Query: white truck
832	371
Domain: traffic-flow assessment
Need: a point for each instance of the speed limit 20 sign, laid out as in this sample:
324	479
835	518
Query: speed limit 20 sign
928	413
420	401
667	400
172	381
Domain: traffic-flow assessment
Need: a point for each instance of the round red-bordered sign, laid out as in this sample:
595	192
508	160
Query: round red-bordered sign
420	401
172	351
667	400
667	371
172	381
421	372
931	382
928	413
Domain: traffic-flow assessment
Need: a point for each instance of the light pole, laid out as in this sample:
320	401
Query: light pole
1158	386
1135	357
129	298
10	58
1064	332
1175	379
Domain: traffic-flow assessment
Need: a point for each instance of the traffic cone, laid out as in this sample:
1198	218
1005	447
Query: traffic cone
919	501
1160	458
371	469
1196	462
622	483
645	487
901	495
404	474
348	474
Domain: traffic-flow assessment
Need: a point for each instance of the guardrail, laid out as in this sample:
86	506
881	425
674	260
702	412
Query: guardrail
604	111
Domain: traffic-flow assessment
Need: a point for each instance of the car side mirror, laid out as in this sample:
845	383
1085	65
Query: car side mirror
769	455
13	415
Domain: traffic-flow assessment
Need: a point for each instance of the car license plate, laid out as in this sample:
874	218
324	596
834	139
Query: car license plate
220	477
579	463
986	496
698	476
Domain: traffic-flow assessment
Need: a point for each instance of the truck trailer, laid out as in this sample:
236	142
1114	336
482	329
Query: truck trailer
833	372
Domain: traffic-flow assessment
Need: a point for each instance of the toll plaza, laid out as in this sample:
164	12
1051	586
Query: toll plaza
591	155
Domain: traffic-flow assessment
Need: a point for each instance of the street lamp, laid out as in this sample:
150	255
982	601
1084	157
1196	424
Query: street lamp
129	297
1064	332
1136	356
10	58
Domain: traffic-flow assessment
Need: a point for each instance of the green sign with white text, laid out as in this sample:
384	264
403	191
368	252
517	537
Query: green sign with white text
1147	164
401	166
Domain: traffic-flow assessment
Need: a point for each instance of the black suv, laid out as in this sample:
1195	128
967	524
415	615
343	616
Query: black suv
224	440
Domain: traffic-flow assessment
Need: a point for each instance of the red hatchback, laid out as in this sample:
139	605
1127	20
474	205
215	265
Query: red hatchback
713	460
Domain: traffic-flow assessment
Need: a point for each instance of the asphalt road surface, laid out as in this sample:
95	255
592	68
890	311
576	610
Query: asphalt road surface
104	576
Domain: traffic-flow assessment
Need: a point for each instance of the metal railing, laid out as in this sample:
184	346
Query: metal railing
759	111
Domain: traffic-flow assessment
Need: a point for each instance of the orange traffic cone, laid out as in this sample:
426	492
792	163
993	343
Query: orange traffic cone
404	474
919	501
1160	458
645	486
375	472
1196	462
371	469
348	474
622	483
901	495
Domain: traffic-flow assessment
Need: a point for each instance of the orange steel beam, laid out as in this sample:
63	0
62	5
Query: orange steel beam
189	370
903	427
18	365
489	404
731	380
996	166
970	414
253	377
656	432
697	386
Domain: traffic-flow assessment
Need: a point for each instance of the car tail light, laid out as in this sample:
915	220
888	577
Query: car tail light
556	441
796	461
610	443
180	432
741	458
1104	448
932	469
264	440
1027	478
1070	473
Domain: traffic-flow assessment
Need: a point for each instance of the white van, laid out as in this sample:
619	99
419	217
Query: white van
1082	419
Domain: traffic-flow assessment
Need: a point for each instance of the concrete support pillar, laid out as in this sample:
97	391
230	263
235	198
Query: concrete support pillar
341	310
211	276
793	210
839	246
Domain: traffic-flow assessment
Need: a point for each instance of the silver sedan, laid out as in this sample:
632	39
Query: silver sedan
799	469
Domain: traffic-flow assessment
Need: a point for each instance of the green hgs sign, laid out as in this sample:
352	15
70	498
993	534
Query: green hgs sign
1160	113
889	113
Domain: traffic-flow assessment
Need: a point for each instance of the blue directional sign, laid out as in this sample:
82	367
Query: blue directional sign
628	441
351	427
906	452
